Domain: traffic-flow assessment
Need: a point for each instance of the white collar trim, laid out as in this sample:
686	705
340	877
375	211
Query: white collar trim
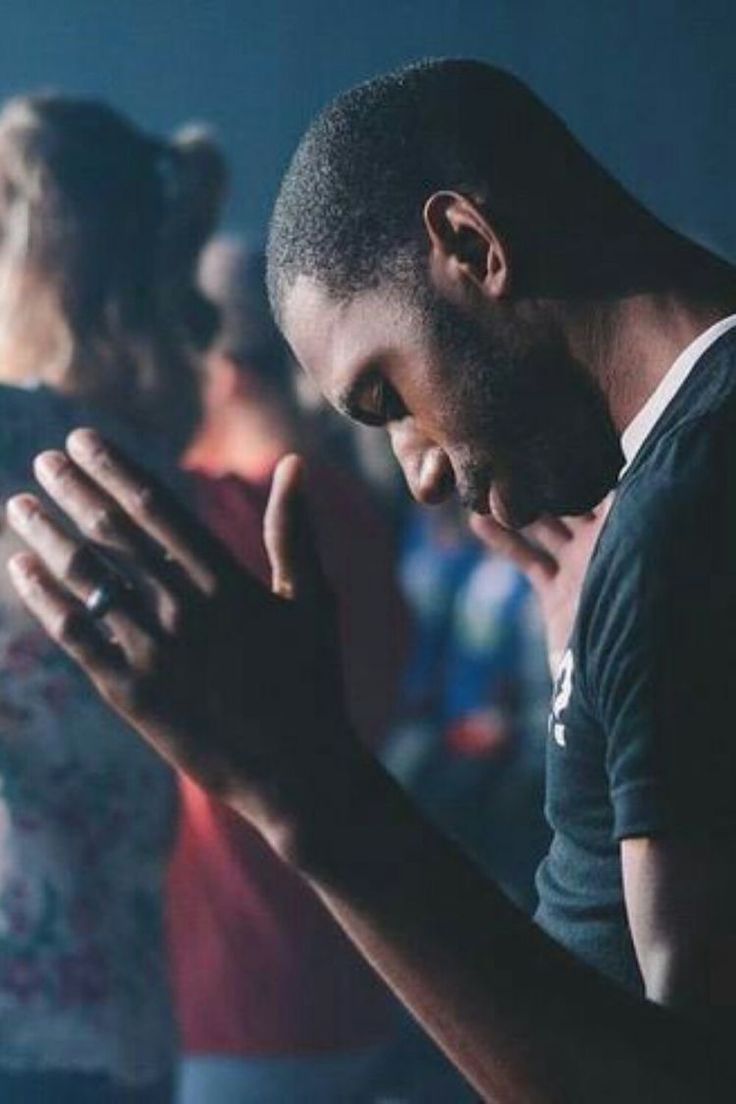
643	423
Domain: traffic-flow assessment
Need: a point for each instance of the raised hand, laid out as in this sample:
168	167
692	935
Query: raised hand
553	553
238	686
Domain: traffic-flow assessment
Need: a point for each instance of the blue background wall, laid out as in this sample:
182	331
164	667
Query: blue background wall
649	86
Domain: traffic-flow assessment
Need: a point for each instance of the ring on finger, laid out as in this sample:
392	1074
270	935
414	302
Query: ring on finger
104	598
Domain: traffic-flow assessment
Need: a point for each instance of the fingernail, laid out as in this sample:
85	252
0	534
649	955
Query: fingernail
19	508
20	568
50	464
83	444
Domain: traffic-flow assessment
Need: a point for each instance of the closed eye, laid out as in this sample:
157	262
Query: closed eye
374	402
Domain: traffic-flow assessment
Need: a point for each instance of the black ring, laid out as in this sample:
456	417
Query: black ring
103	598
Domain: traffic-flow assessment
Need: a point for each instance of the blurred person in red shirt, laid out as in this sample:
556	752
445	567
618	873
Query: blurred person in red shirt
273	1002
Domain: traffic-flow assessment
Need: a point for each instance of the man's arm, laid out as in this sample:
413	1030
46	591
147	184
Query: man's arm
680	894
240	688
681	903
520	1017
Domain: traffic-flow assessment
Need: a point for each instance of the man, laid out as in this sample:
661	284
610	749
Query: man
449	263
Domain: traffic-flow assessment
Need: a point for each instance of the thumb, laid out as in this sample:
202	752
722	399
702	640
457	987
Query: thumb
603	508
296	571
536	563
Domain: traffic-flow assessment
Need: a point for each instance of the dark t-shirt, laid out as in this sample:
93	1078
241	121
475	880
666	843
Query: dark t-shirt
643	727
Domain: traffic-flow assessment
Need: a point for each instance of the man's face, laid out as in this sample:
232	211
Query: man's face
494	409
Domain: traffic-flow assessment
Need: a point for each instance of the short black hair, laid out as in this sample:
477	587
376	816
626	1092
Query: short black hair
349	212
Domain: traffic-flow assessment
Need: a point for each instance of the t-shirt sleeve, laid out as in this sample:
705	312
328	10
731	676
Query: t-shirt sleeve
661	648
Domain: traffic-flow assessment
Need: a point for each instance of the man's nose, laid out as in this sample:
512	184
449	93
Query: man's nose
425	465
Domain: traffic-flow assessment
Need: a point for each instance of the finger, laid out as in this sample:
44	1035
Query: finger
603	508
296	571
587	526
75	565
152	508
66	623
536	564
596	516
103	523
550	533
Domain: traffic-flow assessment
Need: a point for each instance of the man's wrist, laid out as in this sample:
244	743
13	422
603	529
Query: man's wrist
348	825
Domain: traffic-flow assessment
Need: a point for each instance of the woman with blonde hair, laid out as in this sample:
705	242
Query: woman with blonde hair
100	320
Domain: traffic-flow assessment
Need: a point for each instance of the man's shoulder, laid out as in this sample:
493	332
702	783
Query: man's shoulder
690	463
663	571
690	452
673	517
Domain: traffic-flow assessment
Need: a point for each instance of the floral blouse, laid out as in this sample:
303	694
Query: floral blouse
86	822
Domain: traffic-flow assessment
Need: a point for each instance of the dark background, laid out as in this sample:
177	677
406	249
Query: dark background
648	86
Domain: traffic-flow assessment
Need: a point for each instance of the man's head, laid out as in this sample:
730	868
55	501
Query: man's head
428	233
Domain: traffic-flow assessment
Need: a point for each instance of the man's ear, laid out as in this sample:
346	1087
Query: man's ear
464	246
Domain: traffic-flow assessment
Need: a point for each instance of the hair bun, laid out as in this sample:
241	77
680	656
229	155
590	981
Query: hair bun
195	176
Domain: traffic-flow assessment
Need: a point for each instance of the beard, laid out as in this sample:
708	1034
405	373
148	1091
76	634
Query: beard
530	421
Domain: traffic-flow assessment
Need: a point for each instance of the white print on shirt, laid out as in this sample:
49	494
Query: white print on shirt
561	697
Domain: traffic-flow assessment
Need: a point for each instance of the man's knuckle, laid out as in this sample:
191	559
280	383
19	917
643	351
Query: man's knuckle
146	667
215	588
149	662
78	565
120	690
104	524
174	615
143	502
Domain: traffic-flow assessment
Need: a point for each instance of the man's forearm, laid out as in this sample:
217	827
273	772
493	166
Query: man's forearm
521	1018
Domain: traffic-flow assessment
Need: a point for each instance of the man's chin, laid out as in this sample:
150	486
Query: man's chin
515	511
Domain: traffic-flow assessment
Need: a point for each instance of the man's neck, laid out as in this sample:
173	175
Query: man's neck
631	345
